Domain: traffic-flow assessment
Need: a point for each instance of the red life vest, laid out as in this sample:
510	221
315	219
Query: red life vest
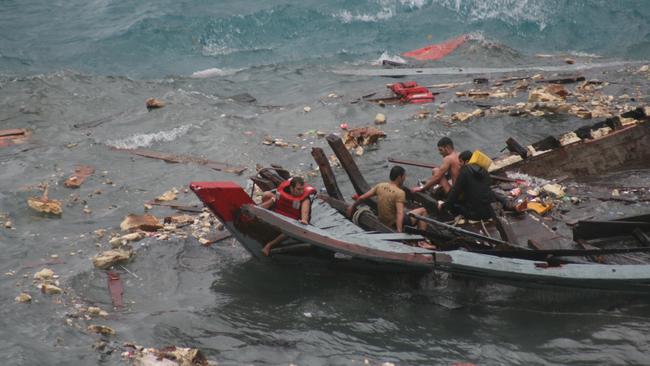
289	205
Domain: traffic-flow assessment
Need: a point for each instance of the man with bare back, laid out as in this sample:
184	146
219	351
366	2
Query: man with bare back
447	173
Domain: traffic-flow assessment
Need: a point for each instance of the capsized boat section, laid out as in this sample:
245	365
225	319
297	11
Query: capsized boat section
624	277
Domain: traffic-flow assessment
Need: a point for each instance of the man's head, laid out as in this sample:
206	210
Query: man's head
464	157
297	186
397	174
445	146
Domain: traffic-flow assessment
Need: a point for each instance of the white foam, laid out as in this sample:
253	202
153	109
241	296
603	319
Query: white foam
388	57
510	11
146	139
212	72
347	17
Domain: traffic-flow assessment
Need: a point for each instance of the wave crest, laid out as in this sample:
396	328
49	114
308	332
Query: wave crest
147	139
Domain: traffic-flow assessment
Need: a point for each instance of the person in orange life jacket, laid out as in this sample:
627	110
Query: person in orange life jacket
390	202
473	184
292	199
446	174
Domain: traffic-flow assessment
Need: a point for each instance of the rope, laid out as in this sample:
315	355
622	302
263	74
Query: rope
358	212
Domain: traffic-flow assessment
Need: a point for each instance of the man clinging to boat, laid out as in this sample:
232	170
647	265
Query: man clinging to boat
447	173
390	202
293	199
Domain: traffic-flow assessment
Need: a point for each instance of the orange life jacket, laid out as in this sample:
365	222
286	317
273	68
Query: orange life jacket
289	205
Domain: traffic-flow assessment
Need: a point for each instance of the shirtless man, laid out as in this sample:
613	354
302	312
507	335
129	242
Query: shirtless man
449	169
390	202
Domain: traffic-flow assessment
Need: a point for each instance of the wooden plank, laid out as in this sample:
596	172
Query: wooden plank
271	175
603	229
174	158
329	179
642	237
13	133
178	207
515	147
359	183
566	80
396	236
627	145
219	236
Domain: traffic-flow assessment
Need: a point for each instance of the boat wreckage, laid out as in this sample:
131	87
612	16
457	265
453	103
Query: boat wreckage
514	248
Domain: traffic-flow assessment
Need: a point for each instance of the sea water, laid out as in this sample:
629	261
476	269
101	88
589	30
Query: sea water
77	74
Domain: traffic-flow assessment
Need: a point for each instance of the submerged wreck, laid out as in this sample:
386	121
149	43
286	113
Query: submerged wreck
518	249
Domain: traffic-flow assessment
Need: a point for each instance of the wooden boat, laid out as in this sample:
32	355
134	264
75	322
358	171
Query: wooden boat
332	240
624	142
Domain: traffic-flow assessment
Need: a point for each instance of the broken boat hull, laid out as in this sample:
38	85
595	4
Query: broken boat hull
334	241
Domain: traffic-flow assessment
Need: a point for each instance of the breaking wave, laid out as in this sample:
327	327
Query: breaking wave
212	72
147	139
512	12
347	17
388	57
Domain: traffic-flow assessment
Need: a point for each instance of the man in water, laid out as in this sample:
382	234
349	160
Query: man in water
473	185
292	199
447	171
390	202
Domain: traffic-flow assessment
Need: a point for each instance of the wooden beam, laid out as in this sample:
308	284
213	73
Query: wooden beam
603	229
367	220
175	158
359	183
329	179
515	147
642	237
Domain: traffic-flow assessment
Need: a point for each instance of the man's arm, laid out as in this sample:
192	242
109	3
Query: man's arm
435	175
361	198
456	190
305	207
399	220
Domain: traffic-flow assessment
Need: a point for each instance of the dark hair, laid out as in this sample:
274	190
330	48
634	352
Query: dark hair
465	155
396	171
295	181
445	141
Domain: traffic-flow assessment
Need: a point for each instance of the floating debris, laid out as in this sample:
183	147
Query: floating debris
80	174
380	119
101	329
464	116
168	356
108	258
123	240
49	289
44	204
153	103
362	136
144	222
14	136
167	196
23	298
44	274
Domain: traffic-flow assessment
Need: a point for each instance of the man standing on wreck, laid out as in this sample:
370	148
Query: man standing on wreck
447	171
293	199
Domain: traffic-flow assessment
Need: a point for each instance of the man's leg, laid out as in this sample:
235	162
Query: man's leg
443	181
267	248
